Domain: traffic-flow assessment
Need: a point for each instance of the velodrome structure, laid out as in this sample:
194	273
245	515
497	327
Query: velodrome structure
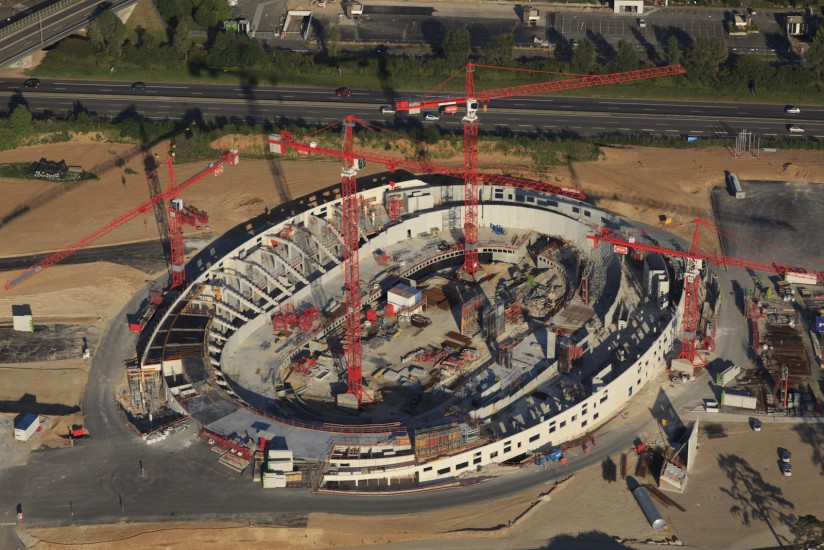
223	363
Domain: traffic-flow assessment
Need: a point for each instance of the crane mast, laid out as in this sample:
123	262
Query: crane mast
473	99
216	167
351	264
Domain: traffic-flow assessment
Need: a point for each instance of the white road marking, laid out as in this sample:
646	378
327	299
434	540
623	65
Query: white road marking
696	132
197	93
672	131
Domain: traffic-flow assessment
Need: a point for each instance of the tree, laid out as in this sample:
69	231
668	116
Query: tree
107	33
211	13
457	47
673	52
815	54
20	122
626	59
809	531
333	42
583	56
499	50
183	40
704	58
174	11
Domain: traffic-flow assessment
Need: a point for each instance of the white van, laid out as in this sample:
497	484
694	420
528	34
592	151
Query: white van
711	406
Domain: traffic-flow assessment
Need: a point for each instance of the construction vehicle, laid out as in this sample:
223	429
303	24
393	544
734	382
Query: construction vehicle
549	456
638	446
78	432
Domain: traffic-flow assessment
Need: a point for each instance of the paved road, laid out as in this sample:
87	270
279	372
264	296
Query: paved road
47	28
551	114
100	480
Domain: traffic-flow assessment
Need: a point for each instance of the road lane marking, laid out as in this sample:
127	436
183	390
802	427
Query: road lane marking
696	132
197	93
672	131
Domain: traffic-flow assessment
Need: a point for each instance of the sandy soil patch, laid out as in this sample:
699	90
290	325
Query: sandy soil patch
56	382
84	293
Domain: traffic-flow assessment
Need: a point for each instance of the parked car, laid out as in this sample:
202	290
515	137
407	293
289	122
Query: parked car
785	456
138	86
343	92
794	129
642	23
431	116
787	469
382	49
792	110
752	11
32	83
756	425
387	110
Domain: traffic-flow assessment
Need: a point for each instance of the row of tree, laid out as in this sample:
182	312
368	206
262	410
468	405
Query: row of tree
707	60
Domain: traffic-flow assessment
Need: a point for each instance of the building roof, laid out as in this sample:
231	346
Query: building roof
21	310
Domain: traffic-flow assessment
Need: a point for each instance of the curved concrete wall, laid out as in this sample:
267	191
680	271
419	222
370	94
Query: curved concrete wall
512	208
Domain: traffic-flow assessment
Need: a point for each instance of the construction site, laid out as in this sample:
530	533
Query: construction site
430	324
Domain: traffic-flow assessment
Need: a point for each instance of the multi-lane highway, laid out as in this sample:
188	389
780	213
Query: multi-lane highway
551	114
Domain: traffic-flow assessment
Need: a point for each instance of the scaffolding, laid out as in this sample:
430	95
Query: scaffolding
444	440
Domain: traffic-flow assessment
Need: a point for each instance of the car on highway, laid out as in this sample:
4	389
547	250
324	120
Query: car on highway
32	83
792	110
787	468
387	110
795	129
431	116
343	92
139	86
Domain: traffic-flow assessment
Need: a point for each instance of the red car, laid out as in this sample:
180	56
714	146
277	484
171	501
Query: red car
343	92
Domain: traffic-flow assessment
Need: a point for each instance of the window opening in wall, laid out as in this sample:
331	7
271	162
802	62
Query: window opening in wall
553	204
563	424
638	383
494	454
595	416
629	392
443	471
551	429
461	466
587	213
534	438
476	460
427	469
574	417
584	423
408	233
507	449
575	210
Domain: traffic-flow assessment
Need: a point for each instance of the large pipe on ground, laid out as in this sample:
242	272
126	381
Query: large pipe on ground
650	510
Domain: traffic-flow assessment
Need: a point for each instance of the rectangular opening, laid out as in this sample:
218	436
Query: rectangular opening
461	466
534	438
444	471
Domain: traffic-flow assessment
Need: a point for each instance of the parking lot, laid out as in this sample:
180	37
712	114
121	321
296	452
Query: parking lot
684	24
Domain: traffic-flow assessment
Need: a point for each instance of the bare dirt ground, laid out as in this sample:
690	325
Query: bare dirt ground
640	183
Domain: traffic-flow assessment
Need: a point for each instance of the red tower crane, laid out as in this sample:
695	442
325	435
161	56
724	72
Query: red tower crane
216	167
473	100
352	160
691	314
